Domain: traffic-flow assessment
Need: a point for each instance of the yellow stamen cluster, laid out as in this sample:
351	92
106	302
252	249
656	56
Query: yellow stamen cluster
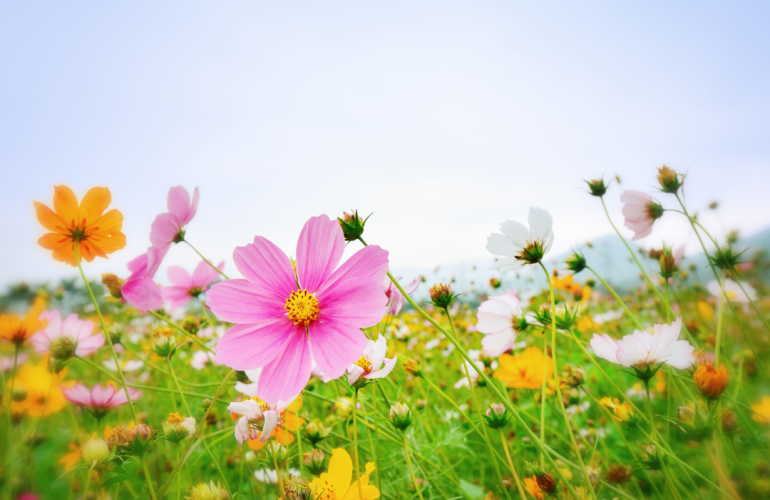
175	419
365	364
302	307
623	412
261	403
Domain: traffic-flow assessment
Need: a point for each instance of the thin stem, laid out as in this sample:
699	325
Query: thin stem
299	438
206	260
278	474
542	396
376	440
148	479
355	443
720	315
411	470
559	401
617	297
182	331
510	464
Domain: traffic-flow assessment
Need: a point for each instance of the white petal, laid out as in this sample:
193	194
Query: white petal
516	232
271	421
253	374
386	369
540	224
248	408
354	373
497	244
242	431
498	343
249	390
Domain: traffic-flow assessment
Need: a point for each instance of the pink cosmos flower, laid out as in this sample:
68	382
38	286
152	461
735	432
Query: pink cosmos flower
168	227
76	332
640	211
186	286
99	400
644	350
140	290
201	358
6	362
373	364
395	298
283	318
496	317
254	411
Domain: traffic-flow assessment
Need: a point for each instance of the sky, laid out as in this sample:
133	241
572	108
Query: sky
443	118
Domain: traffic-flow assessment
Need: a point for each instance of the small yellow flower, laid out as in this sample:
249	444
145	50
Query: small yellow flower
705	310
336	484
623	412
762	411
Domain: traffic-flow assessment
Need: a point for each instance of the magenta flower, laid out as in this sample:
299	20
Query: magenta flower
640	211
168	227
395	298
285	317
71	334
140	290
99	400
186	286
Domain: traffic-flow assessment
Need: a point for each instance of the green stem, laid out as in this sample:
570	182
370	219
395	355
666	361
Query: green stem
377	440
559	401
542	395
182	331
411	470
206	260
617	297
355	443
720	314
280	479
148	479
510	464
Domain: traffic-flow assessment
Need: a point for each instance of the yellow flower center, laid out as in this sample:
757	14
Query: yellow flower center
175	418
261	403
302	307
365	364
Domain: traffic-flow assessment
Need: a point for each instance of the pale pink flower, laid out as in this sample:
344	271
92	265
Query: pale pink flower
249	389
640	212
395	298
644	350
201	358
733	291
519	245
283	319
463	382
185	287
168	228
78	332
99	399
140	290
256	412
373	364
496	317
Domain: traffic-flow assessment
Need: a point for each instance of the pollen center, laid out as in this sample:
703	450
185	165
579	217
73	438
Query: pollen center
365	364
302	307
264	406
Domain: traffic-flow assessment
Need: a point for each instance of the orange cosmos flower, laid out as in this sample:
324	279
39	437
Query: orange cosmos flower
525	370
530	483
41	390
17	330
711	381
98	233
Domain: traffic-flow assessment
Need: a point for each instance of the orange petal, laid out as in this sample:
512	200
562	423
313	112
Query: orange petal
66	255
54	241
111	222
66	204
94	203
48	218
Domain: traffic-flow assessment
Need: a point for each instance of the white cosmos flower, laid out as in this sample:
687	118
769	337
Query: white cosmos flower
270	476
732	291
520	246
495	318
463	382
373	364
644	350
255	410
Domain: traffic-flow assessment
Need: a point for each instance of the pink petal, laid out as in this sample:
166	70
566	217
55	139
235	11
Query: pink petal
319	250
78	395
335	346
102	396
385	370
284	377
605	347
271	421
358	302
175	296
497	343
144	294
164	229
179	277
204	274
238	301
368	263
254	345
193	206
266	267
179	204
88	345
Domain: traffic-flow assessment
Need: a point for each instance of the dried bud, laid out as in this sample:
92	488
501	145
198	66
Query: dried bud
669	180
316	461
191	325
711	381
729	422
352	225
713	205
113	284
400	416
441	295
95	450
597	187
546	482
573	376
619	473
412	367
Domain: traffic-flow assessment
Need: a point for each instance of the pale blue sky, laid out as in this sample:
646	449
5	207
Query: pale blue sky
444	118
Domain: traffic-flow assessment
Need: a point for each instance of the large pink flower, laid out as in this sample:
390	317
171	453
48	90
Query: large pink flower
168	227
72	330
186	286
640	211
140	290
98	399
395	298
283	318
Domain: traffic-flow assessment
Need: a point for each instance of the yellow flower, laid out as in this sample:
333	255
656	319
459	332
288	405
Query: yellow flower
335	484
530	483
71	459
98	233
585	324
35	382
705	310
623	412
762	411
525	370
18	330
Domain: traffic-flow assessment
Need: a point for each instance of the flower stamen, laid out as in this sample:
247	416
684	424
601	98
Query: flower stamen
302	307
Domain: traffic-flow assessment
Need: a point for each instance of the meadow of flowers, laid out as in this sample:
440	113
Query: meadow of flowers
310	377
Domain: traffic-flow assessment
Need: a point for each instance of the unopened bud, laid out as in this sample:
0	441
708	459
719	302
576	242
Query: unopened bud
344	407
667	263
315	461
669	180
496	416
113	284
729	422
95	450
352	225
686	414
400	416
576	262
596	187
316	431
711	381
164	343
441	295
412	367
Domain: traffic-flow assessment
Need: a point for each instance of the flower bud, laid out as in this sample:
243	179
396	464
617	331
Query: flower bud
546	482
19	394
729	422
576	262
95	450
619	473
178	428
412	367
725	259
316	431
711	381
164	343
63	348
441	295
573	376
113	284
400	416
496	416
316	461
144	432
495	283
669	180
191	325
596	187
344	408
277	451
686	414
352	225
203	491
667	263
